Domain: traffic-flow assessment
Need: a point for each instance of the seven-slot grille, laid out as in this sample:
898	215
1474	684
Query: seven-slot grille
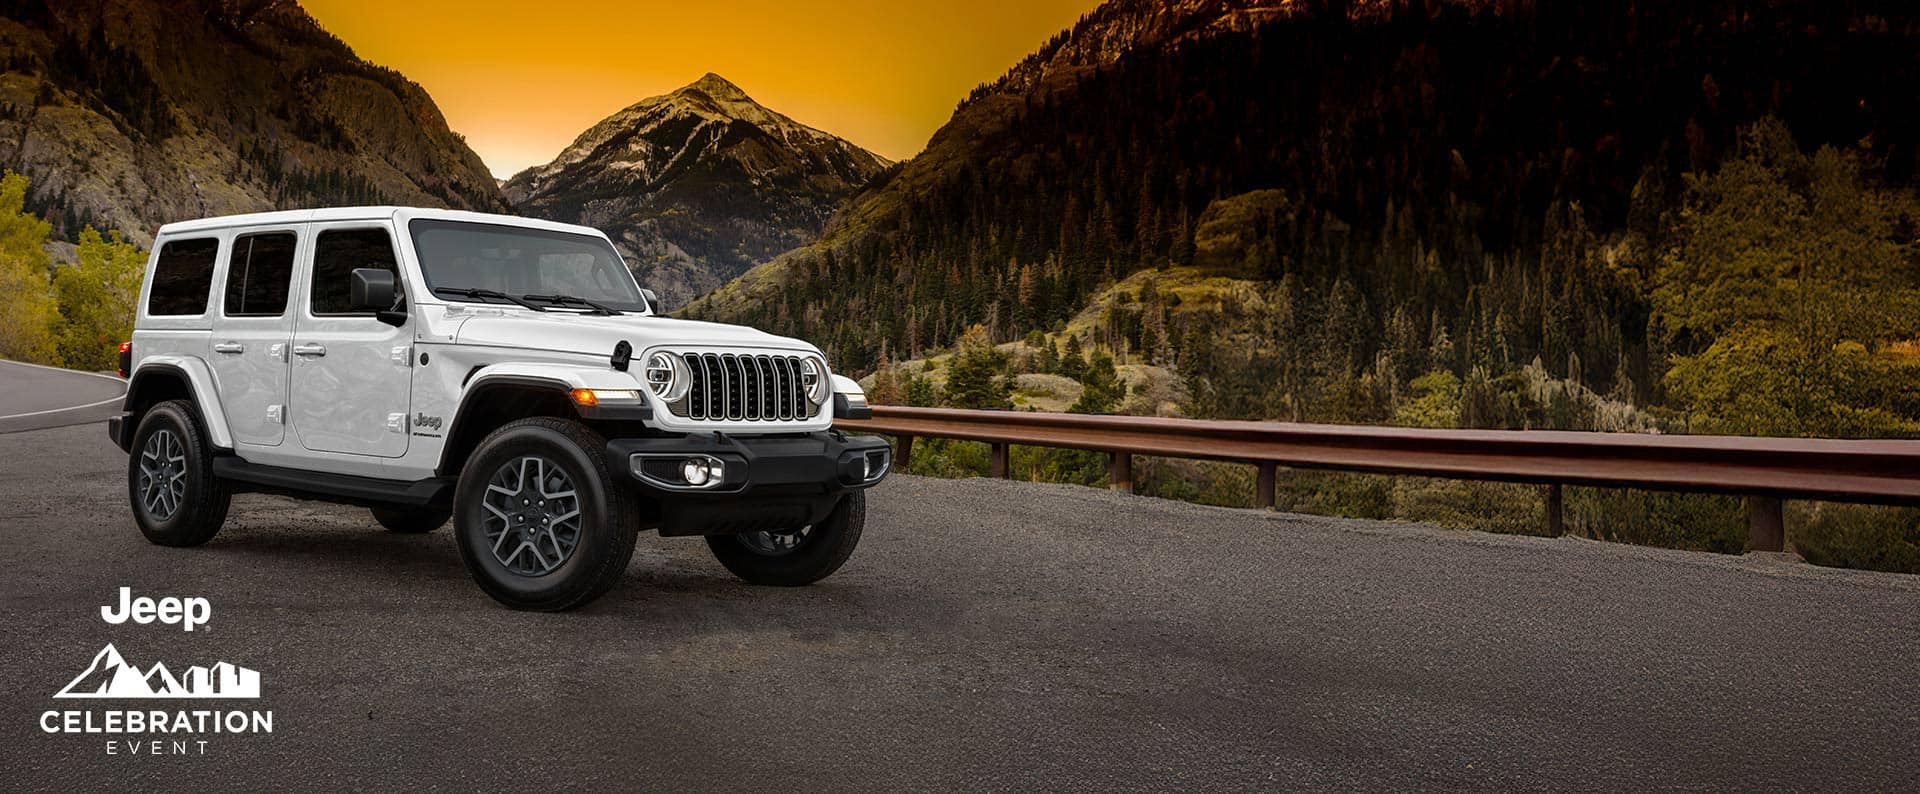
752	388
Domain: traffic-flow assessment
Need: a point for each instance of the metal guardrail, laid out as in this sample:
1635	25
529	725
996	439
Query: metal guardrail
1764	470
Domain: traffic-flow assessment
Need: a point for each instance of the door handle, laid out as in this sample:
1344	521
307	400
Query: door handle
229	348
311	350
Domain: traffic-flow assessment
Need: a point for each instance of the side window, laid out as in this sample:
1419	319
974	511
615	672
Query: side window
182	277
336	254
258	275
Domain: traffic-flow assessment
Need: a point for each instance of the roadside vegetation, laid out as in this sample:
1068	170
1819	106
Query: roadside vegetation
68	311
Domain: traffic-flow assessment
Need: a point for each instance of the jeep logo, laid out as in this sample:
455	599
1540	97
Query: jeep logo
423	420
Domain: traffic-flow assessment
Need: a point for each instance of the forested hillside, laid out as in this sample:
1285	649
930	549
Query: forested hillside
1457	213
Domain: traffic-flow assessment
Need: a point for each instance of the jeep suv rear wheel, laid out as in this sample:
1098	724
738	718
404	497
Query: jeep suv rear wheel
176	499
539	519
797	556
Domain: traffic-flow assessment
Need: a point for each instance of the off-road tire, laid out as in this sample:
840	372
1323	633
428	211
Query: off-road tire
199	503
608	516
412	520
826	547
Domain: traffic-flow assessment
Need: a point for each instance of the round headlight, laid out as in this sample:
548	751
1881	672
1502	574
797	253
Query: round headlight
666	375
813	375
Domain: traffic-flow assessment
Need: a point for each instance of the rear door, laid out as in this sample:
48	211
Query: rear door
252	332
352	374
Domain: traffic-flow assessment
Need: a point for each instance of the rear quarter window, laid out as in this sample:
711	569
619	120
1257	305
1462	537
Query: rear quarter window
183	276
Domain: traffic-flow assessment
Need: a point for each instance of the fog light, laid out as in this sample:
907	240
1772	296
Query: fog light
863	468
700	471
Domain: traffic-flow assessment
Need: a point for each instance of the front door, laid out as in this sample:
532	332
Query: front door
251	336
352	374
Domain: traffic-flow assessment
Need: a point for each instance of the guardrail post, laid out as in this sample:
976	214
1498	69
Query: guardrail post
1766	528
1263	486
902	452
1556	506
1120	471
998	461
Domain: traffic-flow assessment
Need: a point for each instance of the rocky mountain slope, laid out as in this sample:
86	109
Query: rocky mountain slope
698	185
131	113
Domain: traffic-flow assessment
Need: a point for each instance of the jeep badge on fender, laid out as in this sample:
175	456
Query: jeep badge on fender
503	372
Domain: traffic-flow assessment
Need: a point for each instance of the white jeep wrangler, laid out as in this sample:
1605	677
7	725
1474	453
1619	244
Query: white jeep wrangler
505	372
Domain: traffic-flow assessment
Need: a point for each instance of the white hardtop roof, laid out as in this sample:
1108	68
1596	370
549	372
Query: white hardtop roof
399	214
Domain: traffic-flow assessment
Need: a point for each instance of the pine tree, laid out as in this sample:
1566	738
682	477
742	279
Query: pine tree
976	376
889	387
919	392
1101	389
1073	362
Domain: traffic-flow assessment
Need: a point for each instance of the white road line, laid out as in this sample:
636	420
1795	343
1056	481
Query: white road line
60	410
121	396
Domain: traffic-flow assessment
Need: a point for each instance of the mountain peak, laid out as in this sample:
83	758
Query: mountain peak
697	185
716	86
716	95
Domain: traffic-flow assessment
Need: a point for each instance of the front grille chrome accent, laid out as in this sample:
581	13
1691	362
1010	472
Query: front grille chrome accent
744	387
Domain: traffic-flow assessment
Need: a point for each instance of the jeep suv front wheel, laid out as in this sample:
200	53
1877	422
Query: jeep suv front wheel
539	519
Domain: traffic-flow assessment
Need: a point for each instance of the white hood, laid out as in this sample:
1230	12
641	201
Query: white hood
569	332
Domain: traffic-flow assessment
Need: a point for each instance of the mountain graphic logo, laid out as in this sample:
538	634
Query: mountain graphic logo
110	676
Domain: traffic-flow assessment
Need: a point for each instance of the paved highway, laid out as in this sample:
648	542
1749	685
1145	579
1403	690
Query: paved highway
987	635
32	396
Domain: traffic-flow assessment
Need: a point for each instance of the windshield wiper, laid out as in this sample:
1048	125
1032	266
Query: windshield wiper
574	300
487	294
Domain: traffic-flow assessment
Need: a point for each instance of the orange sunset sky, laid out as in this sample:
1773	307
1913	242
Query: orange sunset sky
521	79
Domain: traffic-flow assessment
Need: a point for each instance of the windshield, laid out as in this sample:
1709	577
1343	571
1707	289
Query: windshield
513	260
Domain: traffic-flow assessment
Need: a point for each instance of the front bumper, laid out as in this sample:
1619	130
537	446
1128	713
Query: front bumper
766	482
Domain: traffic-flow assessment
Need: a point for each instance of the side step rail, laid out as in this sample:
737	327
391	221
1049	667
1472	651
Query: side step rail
344	488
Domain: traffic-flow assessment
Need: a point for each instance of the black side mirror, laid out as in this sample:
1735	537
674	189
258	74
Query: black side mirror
653	301
373	288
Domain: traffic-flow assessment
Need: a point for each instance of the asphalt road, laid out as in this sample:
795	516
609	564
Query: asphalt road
34	397
987	635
